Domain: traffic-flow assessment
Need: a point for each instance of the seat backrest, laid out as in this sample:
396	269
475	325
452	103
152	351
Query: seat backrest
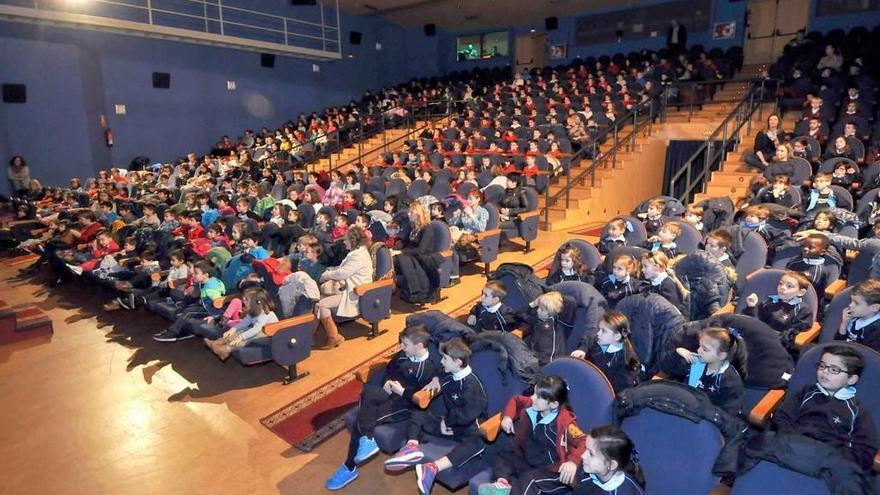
590	308
441	188
492	222
395	187
689	240
861	268
764	282
383	263
531	198
493	194
805	375
844	198
590	394
834	314
376	184
634	252
464	189
829	165
442	236
294	343
865	202
752	259
306	215
589	254
500	384
417	189
664	441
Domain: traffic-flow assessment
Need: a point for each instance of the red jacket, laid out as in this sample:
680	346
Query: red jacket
570	440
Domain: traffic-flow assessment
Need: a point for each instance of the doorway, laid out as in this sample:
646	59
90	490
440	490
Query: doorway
772	24
531	51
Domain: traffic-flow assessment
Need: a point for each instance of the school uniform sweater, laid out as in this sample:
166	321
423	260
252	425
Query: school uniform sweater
608	244
499	318
465	401
613	360
614	290
572	276
412	373
815	269
546	338
666	287
725	388
865	331
789	318
653	225
839	420
545	441
619	484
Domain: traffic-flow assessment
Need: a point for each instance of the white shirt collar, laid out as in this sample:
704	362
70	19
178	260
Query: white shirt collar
612	484
656	281
461	374
814	261
493	309
420	359
863	322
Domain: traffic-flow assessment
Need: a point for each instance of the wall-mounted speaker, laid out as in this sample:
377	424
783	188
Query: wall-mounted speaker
161	80
14	93
267	60
430	29
354	37
551	23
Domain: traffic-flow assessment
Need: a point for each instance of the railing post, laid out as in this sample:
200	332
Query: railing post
547	207
568	186
614	150
665	102
749	113
706	163
724	142
650	115
761	103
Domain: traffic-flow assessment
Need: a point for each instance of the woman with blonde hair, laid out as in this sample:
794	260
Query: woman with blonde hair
415	266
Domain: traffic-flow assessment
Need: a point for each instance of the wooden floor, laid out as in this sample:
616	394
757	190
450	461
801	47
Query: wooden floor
102	408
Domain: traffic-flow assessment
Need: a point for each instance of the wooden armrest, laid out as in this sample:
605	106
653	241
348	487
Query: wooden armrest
528	214
661	375
422	398
157	276
807	336
362	289
834	288
123	261
760	414
221	301
446	254
487	233
518	332
727	309
491	427
273	328
363	373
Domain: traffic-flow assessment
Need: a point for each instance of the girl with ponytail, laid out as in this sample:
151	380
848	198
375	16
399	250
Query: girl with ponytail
718	367
612	352
610	465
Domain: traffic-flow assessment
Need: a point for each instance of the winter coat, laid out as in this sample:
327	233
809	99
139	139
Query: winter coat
707	283
653	320
441	326
513	355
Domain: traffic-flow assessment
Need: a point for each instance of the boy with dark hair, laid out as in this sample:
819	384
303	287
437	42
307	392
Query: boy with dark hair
210	288
816	262
821	195
223	206
490	314
860	322
465	400
243	205
387	400
718	245
653	216
829	411
786	312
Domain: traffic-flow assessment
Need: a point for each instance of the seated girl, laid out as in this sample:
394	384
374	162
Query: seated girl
568	265
611	350
259	309
717	368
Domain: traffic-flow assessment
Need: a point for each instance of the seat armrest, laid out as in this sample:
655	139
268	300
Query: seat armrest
491	427
273	328
519	332
360	290
157	276
422	398
834	288
528	214
661	375
807	336
727	309
446	254
364	373
487	233
221	301
760	415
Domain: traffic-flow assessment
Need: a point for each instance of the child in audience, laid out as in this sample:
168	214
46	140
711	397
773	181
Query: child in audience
718	245
322	228
784	311
755	218
860	322
821	195
609	465
259	309
718	368
465	399
622	281
611	350
252	246
438	212
264	203
243	206
568	265
664	241
349	202
545	336
490	314
209	288
694	216
309	262
340	227
388	400
829	411
779	194
393	241
223	206
170	223
816	262
653	217
655	266
547	443
846	177
614	236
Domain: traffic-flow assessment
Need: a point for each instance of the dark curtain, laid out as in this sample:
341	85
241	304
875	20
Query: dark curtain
677	154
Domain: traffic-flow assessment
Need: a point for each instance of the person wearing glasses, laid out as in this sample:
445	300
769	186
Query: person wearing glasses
830	411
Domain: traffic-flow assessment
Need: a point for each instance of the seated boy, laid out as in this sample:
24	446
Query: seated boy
223	206
860	321
718	245
209	288
829	411
694	216
465	399
821	195
546	336
664	241
815	262
252	246
779	193
388	400
150	220
243	205
490	314
653	217
784	311
614	236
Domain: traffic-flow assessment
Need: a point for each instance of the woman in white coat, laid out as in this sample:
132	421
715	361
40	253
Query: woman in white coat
356	269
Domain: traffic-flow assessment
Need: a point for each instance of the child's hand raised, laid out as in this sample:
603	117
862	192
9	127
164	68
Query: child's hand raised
844	320
507	425
752	300
472	320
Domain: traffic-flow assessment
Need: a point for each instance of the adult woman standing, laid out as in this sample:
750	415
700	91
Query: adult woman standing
356	269
19	175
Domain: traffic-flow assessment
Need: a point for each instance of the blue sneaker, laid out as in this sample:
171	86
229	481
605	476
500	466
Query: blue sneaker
367	447
425	474
341	477
408	456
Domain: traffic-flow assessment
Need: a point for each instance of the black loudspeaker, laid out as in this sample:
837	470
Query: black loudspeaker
430	29
354	37
161	80
267	60
551	23
303	2
14	93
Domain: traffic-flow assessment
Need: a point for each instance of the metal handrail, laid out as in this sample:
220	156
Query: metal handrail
742	116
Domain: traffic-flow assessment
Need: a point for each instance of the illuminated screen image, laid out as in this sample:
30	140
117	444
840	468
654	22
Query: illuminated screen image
487	45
